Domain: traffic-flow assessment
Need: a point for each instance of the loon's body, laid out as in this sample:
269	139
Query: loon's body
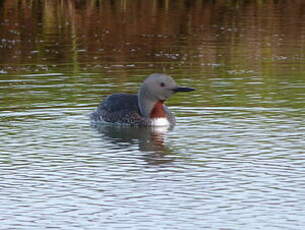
123	109
143	109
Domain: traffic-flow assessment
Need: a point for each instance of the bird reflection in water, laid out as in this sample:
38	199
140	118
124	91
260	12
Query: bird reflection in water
150	140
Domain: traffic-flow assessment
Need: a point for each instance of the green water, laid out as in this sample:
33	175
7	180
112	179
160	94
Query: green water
235	157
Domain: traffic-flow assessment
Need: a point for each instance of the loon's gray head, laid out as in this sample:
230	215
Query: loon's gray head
157	88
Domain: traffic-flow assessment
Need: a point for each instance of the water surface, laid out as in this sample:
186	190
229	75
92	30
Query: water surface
235	159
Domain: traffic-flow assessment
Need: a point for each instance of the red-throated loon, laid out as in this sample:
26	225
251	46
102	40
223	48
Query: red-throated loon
143	109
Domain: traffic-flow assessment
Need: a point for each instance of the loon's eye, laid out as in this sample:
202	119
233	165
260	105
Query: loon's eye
162	84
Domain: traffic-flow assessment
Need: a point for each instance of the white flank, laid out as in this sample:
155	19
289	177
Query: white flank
160	122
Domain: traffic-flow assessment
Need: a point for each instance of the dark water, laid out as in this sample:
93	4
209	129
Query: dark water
236	158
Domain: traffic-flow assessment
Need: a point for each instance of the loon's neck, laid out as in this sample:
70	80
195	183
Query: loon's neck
158	110
149	105
152	109
158	115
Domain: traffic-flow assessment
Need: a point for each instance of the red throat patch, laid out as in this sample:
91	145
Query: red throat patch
158	110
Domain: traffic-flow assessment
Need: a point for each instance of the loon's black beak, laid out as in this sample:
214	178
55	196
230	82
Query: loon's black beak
183	89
